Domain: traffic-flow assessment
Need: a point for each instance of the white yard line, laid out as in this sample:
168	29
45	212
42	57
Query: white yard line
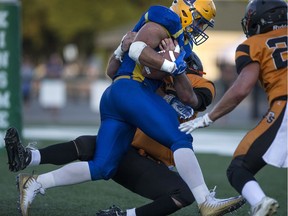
205	141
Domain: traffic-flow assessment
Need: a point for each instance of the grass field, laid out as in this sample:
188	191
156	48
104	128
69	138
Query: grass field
87	198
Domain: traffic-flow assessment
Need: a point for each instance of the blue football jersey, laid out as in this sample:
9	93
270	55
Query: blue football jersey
169	20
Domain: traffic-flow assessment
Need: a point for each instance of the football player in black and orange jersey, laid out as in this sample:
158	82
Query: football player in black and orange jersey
262	57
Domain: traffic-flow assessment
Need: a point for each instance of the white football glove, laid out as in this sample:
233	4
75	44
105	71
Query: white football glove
200	122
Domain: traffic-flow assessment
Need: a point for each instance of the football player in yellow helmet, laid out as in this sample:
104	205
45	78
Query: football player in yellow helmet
196	17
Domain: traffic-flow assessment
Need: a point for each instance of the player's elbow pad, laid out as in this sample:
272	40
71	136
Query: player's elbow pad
136	49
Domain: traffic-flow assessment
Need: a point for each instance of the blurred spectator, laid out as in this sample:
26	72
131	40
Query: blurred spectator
52	88
71	70
27	73
93	67
226	65
228	74
54	66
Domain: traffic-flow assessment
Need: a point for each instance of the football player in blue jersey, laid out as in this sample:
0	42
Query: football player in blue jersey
130	102
146	169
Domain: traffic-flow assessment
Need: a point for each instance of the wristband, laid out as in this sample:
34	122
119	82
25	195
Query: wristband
177	49
172	56
136	49
207	120
168	66
119	53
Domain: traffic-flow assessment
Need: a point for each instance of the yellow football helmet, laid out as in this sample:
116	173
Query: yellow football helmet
196	17
184	10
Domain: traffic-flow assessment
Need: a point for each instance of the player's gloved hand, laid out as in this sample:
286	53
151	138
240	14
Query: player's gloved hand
180	64
183	111
200	122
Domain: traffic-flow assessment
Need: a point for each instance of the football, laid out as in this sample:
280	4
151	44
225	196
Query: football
158	74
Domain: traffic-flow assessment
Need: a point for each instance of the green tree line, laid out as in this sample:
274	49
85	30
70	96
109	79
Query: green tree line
47	26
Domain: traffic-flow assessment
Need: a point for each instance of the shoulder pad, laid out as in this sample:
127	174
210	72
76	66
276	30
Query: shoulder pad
165	17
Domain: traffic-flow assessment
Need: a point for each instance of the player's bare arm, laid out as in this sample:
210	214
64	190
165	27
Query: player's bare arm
112	66
184	90
151	34
182	84
168	44
242	86
239	90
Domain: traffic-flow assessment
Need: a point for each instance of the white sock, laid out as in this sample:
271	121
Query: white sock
131	212
189	169
253	193
200	193
35	157
69	174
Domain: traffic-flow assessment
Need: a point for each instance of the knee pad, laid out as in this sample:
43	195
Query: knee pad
86	147
234	165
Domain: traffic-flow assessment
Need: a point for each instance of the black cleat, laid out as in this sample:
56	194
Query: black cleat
18	156
112	211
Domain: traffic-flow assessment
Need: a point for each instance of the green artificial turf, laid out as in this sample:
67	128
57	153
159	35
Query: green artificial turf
88	198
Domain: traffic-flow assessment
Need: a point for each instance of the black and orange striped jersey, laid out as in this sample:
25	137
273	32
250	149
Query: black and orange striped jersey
205	91
270	51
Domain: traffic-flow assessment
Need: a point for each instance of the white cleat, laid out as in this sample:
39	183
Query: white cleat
267	207
28	188
218	207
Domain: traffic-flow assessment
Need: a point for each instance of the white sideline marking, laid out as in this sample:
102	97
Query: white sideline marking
205	141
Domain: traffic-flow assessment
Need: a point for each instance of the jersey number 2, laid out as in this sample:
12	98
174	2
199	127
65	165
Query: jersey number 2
278	52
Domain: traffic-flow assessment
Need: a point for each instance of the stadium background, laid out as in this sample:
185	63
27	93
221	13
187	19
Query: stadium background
75	111
55	35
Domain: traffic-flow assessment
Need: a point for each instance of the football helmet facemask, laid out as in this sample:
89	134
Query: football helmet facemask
262	16
196	17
